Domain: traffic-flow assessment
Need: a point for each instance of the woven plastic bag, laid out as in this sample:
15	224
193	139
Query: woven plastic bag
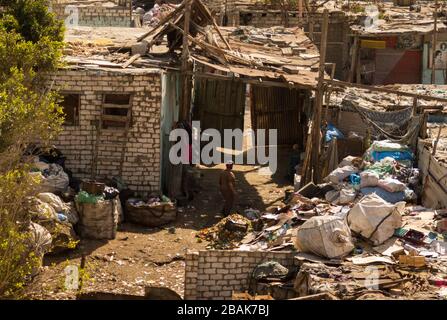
326	236
375	219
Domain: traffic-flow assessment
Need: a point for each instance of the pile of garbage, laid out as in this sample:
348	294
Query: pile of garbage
227	233
386	170
156	211
57	219
365	214
99	210
53	220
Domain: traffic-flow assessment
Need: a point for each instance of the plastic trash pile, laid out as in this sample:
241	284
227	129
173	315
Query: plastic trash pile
57	219
386	170
365	214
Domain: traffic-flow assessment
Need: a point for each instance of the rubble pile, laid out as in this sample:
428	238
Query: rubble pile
227	233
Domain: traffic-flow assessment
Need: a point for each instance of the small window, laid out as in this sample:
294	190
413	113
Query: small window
70	107
115	110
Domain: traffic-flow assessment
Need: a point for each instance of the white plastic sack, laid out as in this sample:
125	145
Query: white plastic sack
59	206
57	181
391	185
347	196
40	239
332	196
326	236
52	199
339	174
347	161
375	219
369	179
43	211
41	165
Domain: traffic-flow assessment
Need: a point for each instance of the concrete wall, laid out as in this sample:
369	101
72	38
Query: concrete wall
141	166
95	15
217	274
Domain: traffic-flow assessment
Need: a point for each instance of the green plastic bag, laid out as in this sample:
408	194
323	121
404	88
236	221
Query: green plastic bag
85	197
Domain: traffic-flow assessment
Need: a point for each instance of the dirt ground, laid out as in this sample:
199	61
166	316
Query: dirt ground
141	256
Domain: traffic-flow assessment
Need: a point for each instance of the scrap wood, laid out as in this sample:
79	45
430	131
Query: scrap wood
318	296
131	60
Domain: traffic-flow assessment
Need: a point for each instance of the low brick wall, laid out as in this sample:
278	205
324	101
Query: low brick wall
216	274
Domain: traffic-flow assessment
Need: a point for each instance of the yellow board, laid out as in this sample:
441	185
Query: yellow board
373	44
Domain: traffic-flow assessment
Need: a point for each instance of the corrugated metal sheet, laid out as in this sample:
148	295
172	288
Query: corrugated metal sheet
219	104
281	109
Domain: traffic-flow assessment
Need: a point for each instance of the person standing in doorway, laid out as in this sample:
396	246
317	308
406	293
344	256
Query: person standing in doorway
227	183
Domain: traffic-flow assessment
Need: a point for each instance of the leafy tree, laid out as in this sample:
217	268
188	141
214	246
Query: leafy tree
31	40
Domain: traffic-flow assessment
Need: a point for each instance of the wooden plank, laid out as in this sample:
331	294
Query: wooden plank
131	60
115	106
353	59
107	117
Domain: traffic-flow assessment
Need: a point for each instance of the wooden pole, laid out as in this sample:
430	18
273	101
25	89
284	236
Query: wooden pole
353	59
435	146
415	106
185	103
319	99
434	43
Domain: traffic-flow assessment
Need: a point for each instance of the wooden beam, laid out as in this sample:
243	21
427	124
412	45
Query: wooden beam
434	43
316	136
353	59
435	145
185	101
131	60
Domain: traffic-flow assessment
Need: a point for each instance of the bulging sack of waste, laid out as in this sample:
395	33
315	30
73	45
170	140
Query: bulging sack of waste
39	242
391	185
326	236
54	180
339	174
53	200
347	196
375	219
369	179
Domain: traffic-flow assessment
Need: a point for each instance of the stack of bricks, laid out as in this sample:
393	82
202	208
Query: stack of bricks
141	166
217	274
96	14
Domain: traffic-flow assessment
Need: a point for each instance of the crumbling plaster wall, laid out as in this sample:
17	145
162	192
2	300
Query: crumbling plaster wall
141	166
216	274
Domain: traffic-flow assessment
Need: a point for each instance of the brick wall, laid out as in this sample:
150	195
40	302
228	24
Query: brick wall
216	274
141	166
97	15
